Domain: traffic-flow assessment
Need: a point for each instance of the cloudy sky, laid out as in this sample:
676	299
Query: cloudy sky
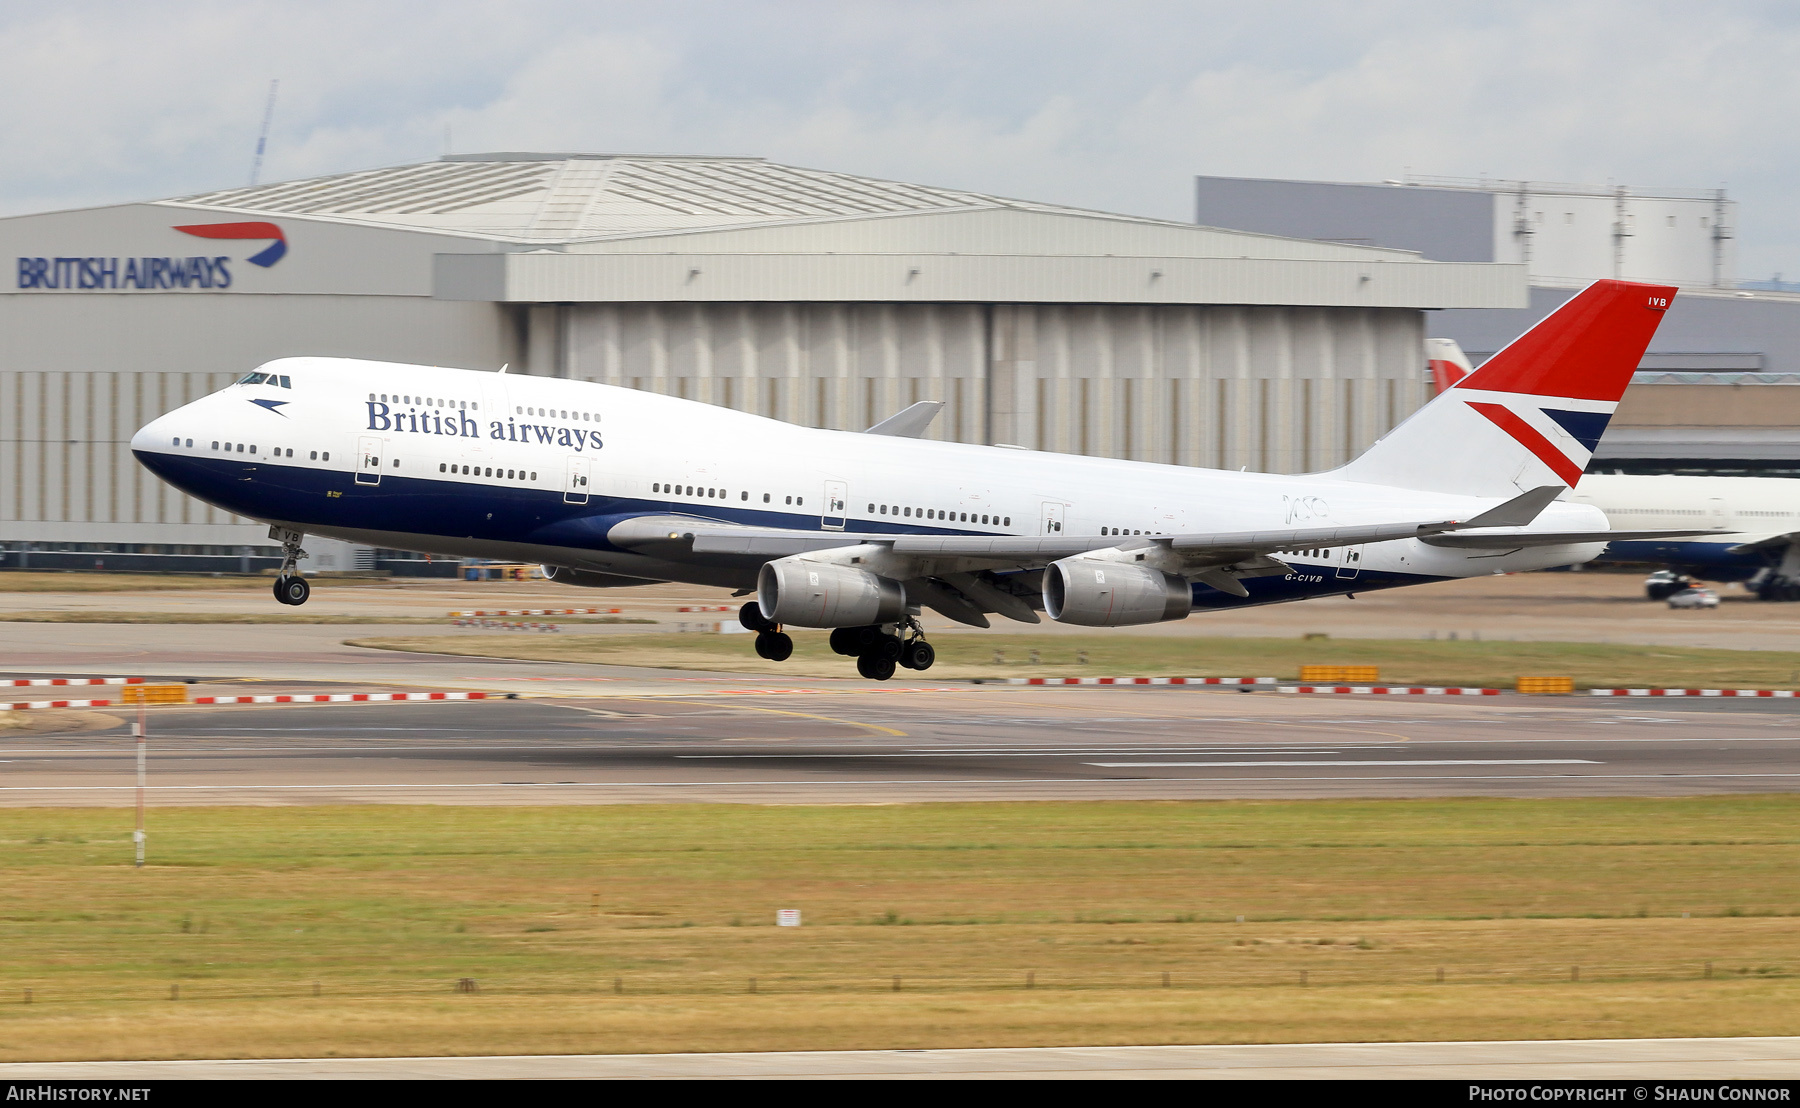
1108	105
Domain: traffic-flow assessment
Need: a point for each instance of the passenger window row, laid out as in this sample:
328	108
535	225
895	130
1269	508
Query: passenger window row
484	471
240	448
702	492
424	401
554	413
1125	531
939	514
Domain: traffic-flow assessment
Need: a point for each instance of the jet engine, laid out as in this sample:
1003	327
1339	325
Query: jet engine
1093	593
818	594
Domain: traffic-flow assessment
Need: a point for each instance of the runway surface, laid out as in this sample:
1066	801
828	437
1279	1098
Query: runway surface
721	739
1624	1060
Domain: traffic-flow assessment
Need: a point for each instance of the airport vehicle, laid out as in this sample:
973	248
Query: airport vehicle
1694	598
859	531
1756	520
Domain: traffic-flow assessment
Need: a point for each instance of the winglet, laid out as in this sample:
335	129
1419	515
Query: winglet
911	423
1517	512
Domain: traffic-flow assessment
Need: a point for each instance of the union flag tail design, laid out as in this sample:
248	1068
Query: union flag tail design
1533	414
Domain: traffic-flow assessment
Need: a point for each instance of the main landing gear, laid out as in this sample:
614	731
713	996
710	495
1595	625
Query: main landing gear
877	650
771	641
290	587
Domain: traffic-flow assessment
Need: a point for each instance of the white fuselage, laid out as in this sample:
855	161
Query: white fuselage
504	466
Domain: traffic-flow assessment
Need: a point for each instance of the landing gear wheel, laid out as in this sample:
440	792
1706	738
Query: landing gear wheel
875	667
292	590
290	587
776	646
917	654
752	618
888	647
847	641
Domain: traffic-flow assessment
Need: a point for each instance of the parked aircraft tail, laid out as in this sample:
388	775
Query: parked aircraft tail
1534	412
1448	364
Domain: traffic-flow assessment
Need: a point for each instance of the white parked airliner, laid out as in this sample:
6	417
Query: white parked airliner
860	531
1754	521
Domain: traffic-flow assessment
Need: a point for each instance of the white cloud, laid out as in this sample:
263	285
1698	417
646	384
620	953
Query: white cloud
1111	106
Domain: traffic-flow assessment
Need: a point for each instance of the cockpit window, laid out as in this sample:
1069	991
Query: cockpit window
277	379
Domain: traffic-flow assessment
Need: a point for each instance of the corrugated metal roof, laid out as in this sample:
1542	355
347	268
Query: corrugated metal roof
563	198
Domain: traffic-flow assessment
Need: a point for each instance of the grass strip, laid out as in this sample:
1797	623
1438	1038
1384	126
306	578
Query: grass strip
1006	923
1402	661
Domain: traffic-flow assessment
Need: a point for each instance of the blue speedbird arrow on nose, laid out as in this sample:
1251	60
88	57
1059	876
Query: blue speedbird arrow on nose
272	405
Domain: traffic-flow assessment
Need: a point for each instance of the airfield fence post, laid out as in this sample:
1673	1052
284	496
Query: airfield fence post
1031	980
1574	973
1440	975
753	984
618	985
896	982
1165	979
175	991
143	738
28	996
1303	979
1709	971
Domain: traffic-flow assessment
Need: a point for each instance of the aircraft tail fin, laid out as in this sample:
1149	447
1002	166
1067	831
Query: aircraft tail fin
1533	413
1448	364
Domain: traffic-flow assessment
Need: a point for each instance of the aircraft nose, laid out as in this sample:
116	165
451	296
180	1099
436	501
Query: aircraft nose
158	433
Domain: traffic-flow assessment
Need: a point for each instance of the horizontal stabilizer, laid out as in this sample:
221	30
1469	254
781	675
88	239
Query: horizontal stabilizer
1519	511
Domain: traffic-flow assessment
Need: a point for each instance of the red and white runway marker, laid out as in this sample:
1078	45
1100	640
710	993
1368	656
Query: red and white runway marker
1390	690
346	698
1692	692
1139	680
45	681
25	704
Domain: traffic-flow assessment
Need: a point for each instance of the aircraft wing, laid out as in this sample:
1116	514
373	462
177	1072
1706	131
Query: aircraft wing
1768	543
703	536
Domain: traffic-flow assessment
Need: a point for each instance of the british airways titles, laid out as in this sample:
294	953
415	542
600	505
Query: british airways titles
459	424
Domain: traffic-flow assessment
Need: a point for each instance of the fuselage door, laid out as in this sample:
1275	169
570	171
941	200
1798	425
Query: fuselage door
575	485
1053	517
368	466
837	504
1348	560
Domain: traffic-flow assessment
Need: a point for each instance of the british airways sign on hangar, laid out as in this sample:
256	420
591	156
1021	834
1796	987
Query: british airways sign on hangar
113	273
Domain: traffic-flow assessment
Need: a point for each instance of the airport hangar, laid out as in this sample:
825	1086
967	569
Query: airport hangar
1718	392
811	296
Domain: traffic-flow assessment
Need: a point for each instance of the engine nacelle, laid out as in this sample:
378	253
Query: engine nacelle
819	594
1089	592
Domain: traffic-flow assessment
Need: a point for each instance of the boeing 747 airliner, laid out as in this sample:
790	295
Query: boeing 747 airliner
860	531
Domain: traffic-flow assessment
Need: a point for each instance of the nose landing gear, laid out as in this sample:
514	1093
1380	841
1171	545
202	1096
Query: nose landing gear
290	587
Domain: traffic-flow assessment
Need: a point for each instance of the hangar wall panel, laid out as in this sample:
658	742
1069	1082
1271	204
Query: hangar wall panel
1268	388
80	374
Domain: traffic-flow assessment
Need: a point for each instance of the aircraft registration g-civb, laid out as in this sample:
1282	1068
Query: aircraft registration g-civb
859	531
